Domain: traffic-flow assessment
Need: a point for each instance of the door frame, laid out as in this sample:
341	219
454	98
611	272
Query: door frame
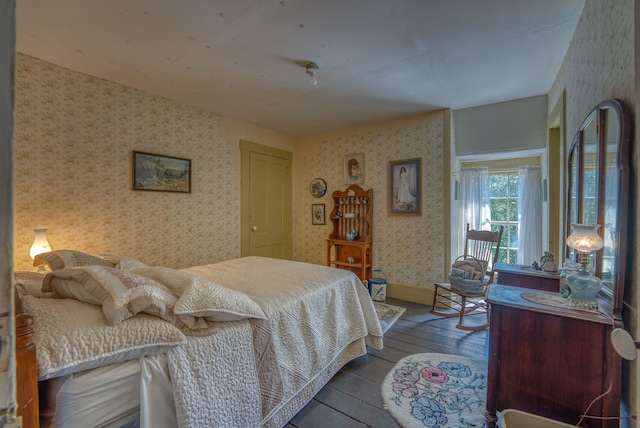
8	57
246	148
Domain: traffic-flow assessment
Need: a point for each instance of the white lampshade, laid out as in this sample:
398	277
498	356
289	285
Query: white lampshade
40	244
585	237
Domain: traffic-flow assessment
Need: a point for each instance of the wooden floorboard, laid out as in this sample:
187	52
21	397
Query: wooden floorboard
352	398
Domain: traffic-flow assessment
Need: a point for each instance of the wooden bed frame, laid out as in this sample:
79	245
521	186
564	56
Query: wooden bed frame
26	370
36	400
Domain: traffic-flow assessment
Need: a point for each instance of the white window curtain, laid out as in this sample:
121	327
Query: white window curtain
530	214
474	202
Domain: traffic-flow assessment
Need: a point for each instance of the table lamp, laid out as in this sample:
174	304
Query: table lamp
40	244
583	285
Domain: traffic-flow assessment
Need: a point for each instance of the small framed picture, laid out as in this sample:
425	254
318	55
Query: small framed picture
317	214
354	168
404	187
161	173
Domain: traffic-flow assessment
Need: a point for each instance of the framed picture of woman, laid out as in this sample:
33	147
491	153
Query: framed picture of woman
405	188
354	168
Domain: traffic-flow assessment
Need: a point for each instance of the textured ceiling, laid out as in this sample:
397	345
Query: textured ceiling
245	59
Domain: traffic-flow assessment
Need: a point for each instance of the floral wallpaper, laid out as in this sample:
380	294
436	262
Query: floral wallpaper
409	249
74	136
601	64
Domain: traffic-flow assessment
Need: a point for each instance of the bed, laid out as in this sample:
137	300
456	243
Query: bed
240	343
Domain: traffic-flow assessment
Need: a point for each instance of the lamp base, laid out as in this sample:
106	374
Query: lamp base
584	289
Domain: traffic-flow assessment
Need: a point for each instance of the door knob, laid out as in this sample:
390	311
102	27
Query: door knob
254	228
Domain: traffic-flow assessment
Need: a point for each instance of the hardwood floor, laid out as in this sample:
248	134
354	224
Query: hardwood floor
352	398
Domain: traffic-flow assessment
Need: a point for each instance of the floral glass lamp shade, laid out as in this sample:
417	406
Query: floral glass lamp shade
40	244
583	285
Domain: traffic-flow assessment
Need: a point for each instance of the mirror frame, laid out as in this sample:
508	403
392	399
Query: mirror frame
599	114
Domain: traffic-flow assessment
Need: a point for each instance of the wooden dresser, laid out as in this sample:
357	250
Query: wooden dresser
548	360
527	277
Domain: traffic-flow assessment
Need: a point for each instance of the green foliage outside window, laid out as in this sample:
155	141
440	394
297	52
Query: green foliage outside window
504	212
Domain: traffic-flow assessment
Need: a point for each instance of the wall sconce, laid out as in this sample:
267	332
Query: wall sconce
40	244
583	285
312	70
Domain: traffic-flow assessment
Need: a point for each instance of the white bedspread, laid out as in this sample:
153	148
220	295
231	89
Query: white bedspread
314	313
256	372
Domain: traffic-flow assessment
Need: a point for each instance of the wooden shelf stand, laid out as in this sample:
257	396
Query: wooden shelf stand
352	212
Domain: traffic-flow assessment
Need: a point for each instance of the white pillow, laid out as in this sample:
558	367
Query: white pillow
30	283
123	262
201	298
62	259
121	294
72	336
153	290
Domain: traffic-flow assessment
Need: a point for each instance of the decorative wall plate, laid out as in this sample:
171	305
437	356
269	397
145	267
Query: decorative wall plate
318	187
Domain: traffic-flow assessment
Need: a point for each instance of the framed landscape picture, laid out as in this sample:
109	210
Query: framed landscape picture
161	173
405	187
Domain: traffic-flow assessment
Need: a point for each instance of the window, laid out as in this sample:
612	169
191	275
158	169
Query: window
504	212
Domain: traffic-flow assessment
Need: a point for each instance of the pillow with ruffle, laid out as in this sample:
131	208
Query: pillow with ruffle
62	259
121	294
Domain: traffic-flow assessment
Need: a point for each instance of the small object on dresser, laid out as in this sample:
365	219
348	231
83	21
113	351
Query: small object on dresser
351	235
548	262
351	260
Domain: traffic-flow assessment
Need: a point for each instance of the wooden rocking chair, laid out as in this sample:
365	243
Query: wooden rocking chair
482	245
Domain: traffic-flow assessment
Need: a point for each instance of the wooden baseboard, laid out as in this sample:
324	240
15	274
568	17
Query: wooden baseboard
410	293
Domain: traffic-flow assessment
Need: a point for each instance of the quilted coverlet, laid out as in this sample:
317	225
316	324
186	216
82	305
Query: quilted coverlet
257	370
314	313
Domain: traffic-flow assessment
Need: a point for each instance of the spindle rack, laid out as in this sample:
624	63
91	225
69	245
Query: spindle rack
352	211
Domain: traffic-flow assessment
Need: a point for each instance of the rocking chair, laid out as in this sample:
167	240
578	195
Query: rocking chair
451	301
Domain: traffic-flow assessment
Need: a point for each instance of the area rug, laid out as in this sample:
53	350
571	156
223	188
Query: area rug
436	391
387	314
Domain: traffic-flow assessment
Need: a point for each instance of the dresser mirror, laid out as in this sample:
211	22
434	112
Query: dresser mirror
598	190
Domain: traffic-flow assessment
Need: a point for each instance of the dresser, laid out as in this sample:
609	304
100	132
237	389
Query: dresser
527	277
548	360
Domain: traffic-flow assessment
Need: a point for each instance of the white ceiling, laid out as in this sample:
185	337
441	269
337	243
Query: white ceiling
245	59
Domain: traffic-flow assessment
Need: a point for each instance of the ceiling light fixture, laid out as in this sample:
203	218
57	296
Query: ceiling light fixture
312	70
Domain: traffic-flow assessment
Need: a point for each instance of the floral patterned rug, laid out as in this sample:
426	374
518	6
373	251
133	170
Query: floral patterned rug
436	391
387	314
